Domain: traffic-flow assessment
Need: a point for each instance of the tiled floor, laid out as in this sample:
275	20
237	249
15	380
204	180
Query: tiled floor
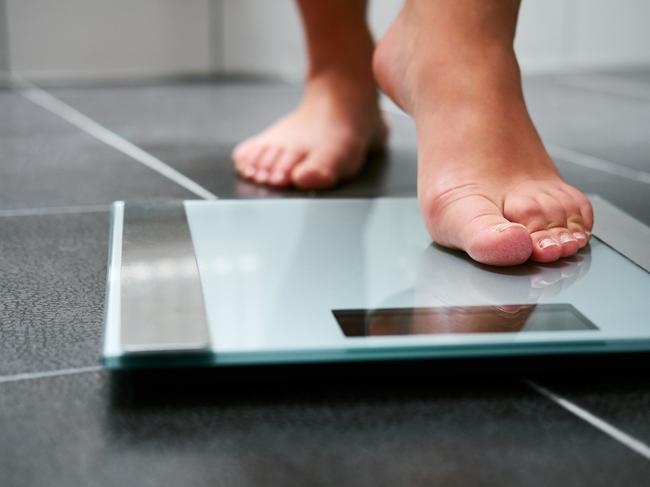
64	421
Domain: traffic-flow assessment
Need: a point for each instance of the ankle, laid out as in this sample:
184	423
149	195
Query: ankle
348	54
354	84
475	70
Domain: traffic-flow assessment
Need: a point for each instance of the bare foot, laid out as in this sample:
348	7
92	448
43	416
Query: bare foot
486	184
325	140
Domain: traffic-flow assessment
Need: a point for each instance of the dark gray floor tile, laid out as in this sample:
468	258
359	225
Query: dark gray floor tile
48	162
87	430
614	128
224	112
51	291
21	118
392	172
46	171
194	129
611	127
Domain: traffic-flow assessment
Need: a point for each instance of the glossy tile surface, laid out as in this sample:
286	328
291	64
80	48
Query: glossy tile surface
46	162
382	432
194	129
53	275
619	396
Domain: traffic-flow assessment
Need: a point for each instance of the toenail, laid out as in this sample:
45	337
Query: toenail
546	243
566	238
579	236
588	233
262	175
502	227
276	177
249	172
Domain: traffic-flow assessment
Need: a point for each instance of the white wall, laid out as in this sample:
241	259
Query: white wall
117	38
4	37
108	38
552	35
262	37
609	32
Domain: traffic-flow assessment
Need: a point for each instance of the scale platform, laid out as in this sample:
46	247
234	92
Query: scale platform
251	282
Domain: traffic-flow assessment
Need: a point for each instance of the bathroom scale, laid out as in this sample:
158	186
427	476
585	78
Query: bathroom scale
294	281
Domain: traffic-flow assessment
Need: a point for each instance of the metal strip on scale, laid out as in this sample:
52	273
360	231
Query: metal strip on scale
162	307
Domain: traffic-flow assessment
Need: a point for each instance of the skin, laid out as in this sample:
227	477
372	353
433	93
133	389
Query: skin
325	140
486	184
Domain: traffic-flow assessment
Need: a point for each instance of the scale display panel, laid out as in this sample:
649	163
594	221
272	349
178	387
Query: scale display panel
244	282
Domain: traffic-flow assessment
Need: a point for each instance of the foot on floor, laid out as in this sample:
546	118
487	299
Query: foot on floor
324	141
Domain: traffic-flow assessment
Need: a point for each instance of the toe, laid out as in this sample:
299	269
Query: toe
526	210
241	149
247	165
585	209
545	246
281	172
574	215
475	224
317	171
554	220
243	153
579	233
497	241
554	213
265	164
568	243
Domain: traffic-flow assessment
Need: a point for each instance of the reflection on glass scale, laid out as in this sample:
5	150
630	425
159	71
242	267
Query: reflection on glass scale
328	280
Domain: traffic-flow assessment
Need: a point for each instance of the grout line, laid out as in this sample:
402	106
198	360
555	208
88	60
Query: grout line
55	210
598	423
50	373
567	155
85	123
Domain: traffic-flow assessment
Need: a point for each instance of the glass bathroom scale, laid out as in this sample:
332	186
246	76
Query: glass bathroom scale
251	282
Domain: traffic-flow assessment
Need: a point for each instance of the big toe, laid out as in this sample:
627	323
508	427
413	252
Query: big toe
246	157
497	241
476	225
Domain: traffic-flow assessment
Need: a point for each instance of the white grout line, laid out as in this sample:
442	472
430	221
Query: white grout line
610	430
78	119
596	163
50	373
567	155
55	210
